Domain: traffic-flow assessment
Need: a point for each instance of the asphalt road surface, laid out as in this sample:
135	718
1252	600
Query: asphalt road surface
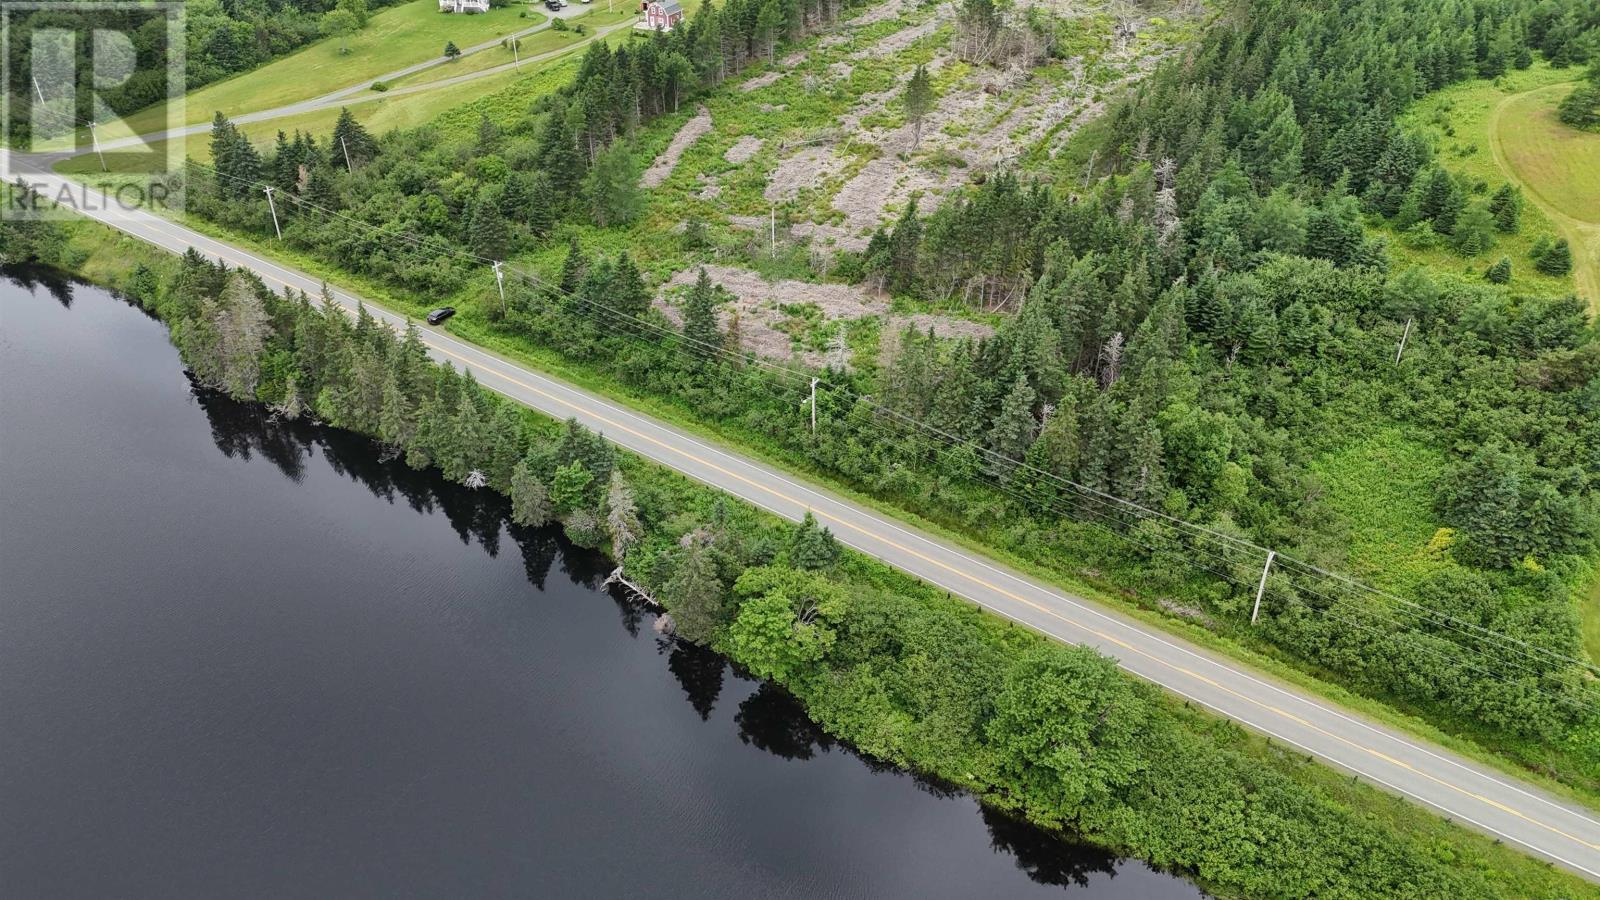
1464	791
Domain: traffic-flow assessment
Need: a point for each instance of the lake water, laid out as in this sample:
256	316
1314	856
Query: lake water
244	659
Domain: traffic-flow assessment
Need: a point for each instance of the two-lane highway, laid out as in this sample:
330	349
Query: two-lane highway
1468	793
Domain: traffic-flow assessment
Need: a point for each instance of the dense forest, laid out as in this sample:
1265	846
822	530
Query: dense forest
1183	336
221	38
1057	734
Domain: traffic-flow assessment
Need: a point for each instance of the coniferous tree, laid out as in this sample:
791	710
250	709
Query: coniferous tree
697	594
812	547
769	20
700	330
237	164
487	232
350	136
1506	205
1014	427
574	266
1557	260
530	500
285	168
1334	232
1581	108
1474	231
918	102
505	444
1441	200
629	295
905	243
542	209
1500	272
612	188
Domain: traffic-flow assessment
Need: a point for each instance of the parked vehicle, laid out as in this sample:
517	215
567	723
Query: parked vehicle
440	314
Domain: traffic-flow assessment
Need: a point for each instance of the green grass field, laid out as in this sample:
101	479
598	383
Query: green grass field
514	87
1492	132
1383	485
547	41
1559	168
393	39
1458	121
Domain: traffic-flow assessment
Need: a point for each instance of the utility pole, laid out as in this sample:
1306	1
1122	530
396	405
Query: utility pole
514	52
38	90
500	282
813	406
1262	589
274	207
1403	335
346	148
93	139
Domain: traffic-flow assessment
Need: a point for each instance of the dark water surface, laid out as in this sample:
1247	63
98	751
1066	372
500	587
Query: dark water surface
239	659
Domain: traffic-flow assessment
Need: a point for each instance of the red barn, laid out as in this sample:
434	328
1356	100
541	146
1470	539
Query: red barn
660	15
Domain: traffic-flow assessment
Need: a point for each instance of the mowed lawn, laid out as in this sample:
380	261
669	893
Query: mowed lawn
514	87
1559	167
394	38
1559	163
547	41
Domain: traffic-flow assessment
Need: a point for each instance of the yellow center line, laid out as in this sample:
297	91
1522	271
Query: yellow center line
1378	754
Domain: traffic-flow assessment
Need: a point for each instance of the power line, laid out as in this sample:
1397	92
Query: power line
1104	505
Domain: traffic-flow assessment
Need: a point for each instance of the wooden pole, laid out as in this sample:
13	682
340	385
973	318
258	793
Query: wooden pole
1262	589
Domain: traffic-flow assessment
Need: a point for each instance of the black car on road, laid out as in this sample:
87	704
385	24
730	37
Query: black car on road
440	314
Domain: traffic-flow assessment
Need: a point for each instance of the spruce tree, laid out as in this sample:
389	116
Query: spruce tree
700	332
629	294
1474	231
542	209
904	245
396	426
1506	205
918	102
1557	260
812	547
1500	272
285	166
1014	428
573	267
504	439
696	595
612	187
530	500
1442	200
487	232
349	136
769	19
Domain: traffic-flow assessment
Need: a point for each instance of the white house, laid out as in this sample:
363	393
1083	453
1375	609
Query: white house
660	15
464	6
